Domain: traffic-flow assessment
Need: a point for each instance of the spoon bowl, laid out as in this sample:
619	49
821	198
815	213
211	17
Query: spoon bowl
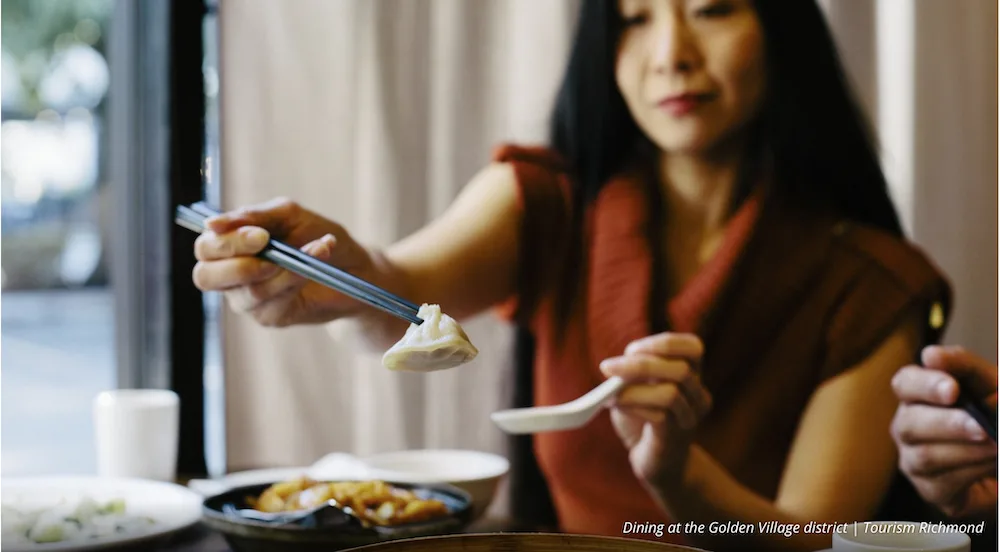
560	417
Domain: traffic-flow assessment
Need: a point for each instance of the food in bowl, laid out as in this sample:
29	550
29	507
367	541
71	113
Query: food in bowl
437	344
70	521
372	502
323	528
475	472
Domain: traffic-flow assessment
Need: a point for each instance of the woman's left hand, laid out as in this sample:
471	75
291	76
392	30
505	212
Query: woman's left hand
663	402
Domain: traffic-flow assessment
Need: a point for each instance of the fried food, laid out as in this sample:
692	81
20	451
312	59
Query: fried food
373	502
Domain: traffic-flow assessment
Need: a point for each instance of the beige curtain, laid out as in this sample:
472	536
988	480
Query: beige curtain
927	73
954	160
374	113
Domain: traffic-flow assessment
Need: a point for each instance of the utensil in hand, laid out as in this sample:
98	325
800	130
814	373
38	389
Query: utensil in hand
307	266
571	415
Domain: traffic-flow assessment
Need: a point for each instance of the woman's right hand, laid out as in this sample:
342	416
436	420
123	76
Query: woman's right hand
273	296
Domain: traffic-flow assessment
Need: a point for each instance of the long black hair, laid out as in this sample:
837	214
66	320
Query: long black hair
820	146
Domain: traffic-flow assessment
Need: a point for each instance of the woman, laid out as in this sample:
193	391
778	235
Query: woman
710	222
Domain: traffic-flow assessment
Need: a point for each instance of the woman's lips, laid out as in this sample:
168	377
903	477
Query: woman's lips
682	104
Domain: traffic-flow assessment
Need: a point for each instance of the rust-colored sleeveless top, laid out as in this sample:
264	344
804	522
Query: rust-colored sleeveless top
789	300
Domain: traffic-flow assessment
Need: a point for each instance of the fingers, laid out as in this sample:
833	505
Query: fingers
230	273
273	312
647	367
976	373
919	423
659	370
920	385
651	415
264	294
276	215
664	397
675	373
953	491
937	459
286	281
686	346
246	241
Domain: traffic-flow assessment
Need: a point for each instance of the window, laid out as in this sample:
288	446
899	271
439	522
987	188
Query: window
58	307
103	105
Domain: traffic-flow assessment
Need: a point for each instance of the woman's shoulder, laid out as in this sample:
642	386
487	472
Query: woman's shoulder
895	260
537	155
542	176
864	283
545	196
858	259
886	280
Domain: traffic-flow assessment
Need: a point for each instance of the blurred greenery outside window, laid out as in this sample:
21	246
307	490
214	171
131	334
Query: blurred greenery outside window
54	85
58	306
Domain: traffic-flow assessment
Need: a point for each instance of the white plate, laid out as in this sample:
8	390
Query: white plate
173	507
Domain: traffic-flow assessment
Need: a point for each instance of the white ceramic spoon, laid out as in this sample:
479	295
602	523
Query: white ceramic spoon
571	415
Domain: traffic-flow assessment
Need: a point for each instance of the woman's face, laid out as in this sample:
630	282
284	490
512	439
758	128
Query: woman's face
692	72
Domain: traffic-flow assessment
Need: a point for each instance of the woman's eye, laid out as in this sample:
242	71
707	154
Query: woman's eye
634	20
717	9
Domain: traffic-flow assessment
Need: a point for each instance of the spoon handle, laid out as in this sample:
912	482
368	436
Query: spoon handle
598	395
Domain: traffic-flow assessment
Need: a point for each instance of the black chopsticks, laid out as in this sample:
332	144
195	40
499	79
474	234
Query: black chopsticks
298	262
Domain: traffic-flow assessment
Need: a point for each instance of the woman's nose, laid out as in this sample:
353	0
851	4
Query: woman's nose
674	48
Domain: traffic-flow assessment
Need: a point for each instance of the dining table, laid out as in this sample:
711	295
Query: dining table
201	538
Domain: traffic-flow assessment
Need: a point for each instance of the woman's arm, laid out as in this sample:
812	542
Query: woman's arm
840	466
465	260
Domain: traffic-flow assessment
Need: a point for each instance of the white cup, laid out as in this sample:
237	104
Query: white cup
897	536
136	433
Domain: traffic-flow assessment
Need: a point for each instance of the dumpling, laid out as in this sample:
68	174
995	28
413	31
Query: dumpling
437	344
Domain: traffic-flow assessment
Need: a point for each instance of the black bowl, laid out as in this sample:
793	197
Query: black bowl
248	535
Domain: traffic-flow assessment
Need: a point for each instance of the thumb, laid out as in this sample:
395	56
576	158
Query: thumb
276	216
972	371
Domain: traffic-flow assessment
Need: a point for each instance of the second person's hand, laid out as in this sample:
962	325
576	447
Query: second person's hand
274	297
942	450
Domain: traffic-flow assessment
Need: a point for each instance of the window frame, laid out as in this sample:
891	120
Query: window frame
156	148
